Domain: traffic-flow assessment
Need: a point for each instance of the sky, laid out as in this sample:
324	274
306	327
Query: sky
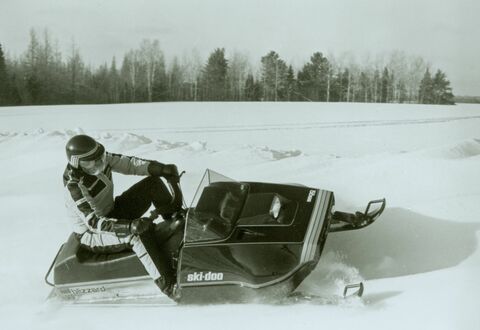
443	32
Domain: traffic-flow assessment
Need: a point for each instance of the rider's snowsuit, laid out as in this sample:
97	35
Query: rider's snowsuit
94	210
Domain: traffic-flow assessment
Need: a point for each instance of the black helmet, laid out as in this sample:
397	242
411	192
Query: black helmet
83	148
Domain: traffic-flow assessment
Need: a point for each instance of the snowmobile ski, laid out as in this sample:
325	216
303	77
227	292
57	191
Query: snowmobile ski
343	221
347	291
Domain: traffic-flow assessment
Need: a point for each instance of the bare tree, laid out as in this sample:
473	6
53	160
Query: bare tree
237	75
397	64
176	76
415	71
31	58
130	71
113	79
74	68
334	70
151	60
192	69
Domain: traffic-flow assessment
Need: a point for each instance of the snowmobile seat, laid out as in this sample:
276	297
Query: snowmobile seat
73	249
85	256
76	264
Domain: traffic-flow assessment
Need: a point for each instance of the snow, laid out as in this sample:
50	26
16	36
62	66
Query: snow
420	261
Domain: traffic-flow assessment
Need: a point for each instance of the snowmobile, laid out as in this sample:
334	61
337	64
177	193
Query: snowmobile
237	242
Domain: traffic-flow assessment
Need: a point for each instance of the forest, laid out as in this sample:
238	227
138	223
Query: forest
42	75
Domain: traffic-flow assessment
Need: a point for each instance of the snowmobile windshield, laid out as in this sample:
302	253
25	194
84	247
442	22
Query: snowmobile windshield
216	208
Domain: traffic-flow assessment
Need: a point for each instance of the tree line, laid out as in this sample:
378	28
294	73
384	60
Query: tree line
42	75
467	99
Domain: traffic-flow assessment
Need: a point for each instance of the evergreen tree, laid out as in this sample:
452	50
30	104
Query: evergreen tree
344	85
442	92
252	89
291	85
385	83
314	77
4	80
14	97
426	89
114	82
41	76
391	93
215	76
376	87
274	77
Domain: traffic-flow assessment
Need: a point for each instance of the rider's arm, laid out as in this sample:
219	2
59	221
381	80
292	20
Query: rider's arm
127	164
137	166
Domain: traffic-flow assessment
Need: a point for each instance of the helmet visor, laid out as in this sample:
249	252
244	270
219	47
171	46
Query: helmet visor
94	166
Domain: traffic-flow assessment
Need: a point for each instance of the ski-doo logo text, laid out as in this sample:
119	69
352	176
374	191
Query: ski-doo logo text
311	194
201	276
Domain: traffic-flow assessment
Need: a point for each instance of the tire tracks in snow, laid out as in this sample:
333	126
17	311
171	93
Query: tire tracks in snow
297	126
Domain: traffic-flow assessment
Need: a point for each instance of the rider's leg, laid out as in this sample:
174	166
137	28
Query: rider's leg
135	201
156	265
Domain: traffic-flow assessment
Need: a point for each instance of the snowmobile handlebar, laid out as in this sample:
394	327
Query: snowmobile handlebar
177	200
342	221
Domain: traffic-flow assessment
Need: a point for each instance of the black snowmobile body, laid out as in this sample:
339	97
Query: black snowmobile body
241	241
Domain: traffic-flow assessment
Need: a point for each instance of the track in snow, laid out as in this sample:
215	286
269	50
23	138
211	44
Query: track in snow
299	126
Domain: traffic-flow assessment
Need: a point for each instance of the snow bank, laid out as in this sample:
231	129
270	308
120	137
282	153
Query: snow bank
405	243
460	150
423	251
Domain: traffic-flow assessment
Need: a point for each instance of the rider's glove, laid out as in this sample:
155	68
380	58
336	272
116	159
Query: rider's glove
168	171
140	225
125	227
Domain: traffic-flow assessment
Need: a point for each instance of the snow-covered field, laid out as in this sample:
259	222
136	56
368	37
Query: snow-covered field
420	261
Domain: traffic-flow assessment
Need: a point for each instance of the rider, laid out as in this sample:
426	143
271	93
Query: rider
107	225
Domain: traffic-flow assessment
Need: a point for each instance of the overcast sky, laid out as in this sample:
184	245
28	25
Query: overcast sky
443	32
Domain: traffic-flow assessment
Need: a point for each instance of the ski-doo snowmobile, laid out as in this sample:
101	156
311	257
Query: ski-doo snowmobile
239	241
